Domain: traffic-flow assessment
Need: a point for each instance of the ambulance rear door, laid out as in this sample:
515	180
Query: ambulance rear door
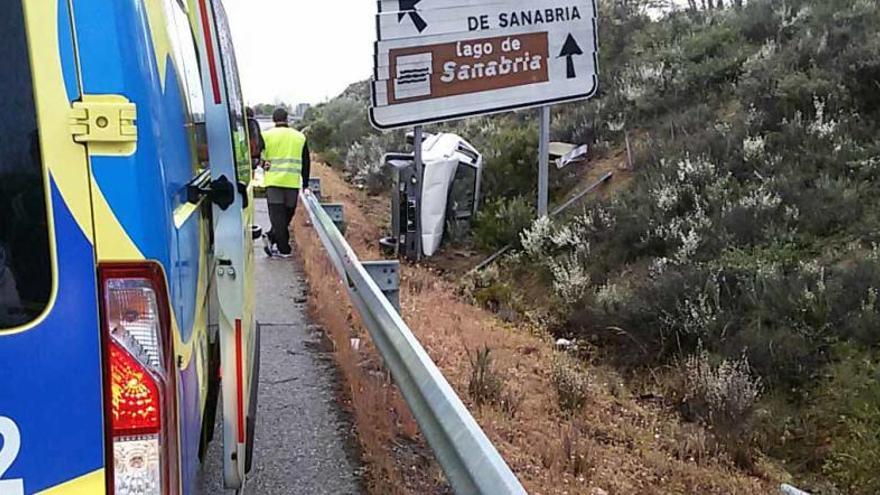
232	195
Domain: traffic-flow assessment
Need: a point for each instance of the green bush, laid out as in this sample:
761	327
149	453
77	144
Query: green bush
485	384
500	222
511	162
847	410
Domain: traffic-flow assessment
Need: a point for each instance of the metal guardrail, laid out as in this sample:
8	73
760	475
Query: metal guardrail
470	461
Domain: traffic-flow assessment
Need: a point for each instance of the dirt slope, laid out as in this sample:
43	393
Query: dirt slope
614	444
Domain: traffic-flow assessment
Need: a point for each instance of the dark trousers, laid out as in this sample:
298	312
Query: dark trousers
280	215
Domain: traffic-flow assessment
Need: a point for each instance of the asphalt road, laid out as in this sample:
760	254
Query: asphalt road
304	442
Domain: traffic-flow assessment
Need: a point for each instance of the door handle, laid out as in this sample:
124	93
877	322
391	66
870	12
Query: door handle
198	188
221	192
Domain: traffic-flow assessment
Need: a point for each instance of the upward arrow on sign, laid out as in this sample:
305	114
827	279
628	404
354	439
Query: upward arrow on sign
408	7
569	50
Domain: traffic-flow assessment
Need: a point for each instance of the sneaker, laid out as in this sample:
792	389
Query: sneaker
267	246
285	256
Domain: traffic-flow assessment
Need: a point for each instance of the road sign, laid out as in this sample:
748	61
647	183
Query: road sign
439	60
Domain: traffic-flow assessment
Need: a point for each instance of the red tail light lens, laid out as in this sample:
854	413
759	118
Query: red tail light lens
140	380
134	396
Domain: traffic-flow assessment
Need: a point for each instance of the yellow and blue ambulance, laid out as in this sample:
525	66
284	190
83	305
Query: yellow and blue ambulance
126	252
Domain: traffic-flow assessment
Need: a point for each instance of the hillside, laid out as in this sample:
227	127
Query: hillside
735	278
564	427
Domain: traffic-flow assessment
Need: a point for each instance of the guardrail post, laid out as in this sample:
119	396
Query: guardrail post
315	187
386	274
336	212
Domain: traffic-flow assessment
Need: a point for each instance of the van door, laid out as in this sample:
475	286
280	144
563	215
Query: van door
51	392
232	195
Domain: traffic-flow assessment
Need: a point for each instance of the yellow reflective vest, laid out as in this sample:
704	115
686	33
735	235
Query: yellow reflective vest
284	152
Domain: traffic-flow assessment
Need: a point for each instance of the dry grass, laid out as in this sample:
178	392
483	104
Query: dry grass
387	432
613	443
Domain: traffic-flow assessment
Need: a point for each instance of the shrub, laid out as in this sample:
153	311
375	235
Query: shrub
748	228
494	296
511	161
571	282
535	240
723	396
847	413
577	452
320	136
363	162
485	385
571	381
855	461
500	222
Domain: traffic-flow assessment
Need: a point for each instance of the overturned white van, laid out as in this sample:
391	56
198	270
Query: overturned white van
448	196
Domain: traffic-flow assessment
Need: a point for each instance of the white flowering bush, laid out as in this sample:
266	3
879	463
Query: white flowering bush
764	53
870	303
536	239
545	239
723	393
573	383
694	316
611	295
760	198
754	148
822	126
571	282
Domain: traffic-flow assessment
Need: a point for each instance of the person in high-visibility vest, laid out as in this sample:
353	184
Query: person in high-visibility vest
287	166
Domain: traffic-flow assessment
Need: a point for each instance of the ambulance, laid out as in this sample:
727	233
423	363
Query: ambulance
126	248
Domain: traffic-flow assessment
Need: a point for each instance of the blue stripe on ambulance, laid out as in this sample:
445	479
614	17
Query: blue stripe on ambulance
65	48
57	378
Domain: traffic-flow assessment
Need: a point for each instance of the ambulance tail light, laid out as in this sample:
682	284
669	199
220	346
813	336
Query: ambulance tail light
139	379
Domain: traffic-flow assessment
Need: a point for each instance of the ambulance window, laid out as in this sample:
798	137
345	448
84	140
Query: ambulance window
187	61
187	64
25	260
240	144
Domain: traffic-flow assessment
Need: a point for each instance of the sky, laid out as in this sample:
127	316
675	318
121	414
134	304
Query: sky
301	51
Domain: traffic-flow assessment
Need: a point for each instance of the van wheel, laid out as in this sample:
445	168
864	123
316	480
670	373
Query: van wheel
252	407
208	422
